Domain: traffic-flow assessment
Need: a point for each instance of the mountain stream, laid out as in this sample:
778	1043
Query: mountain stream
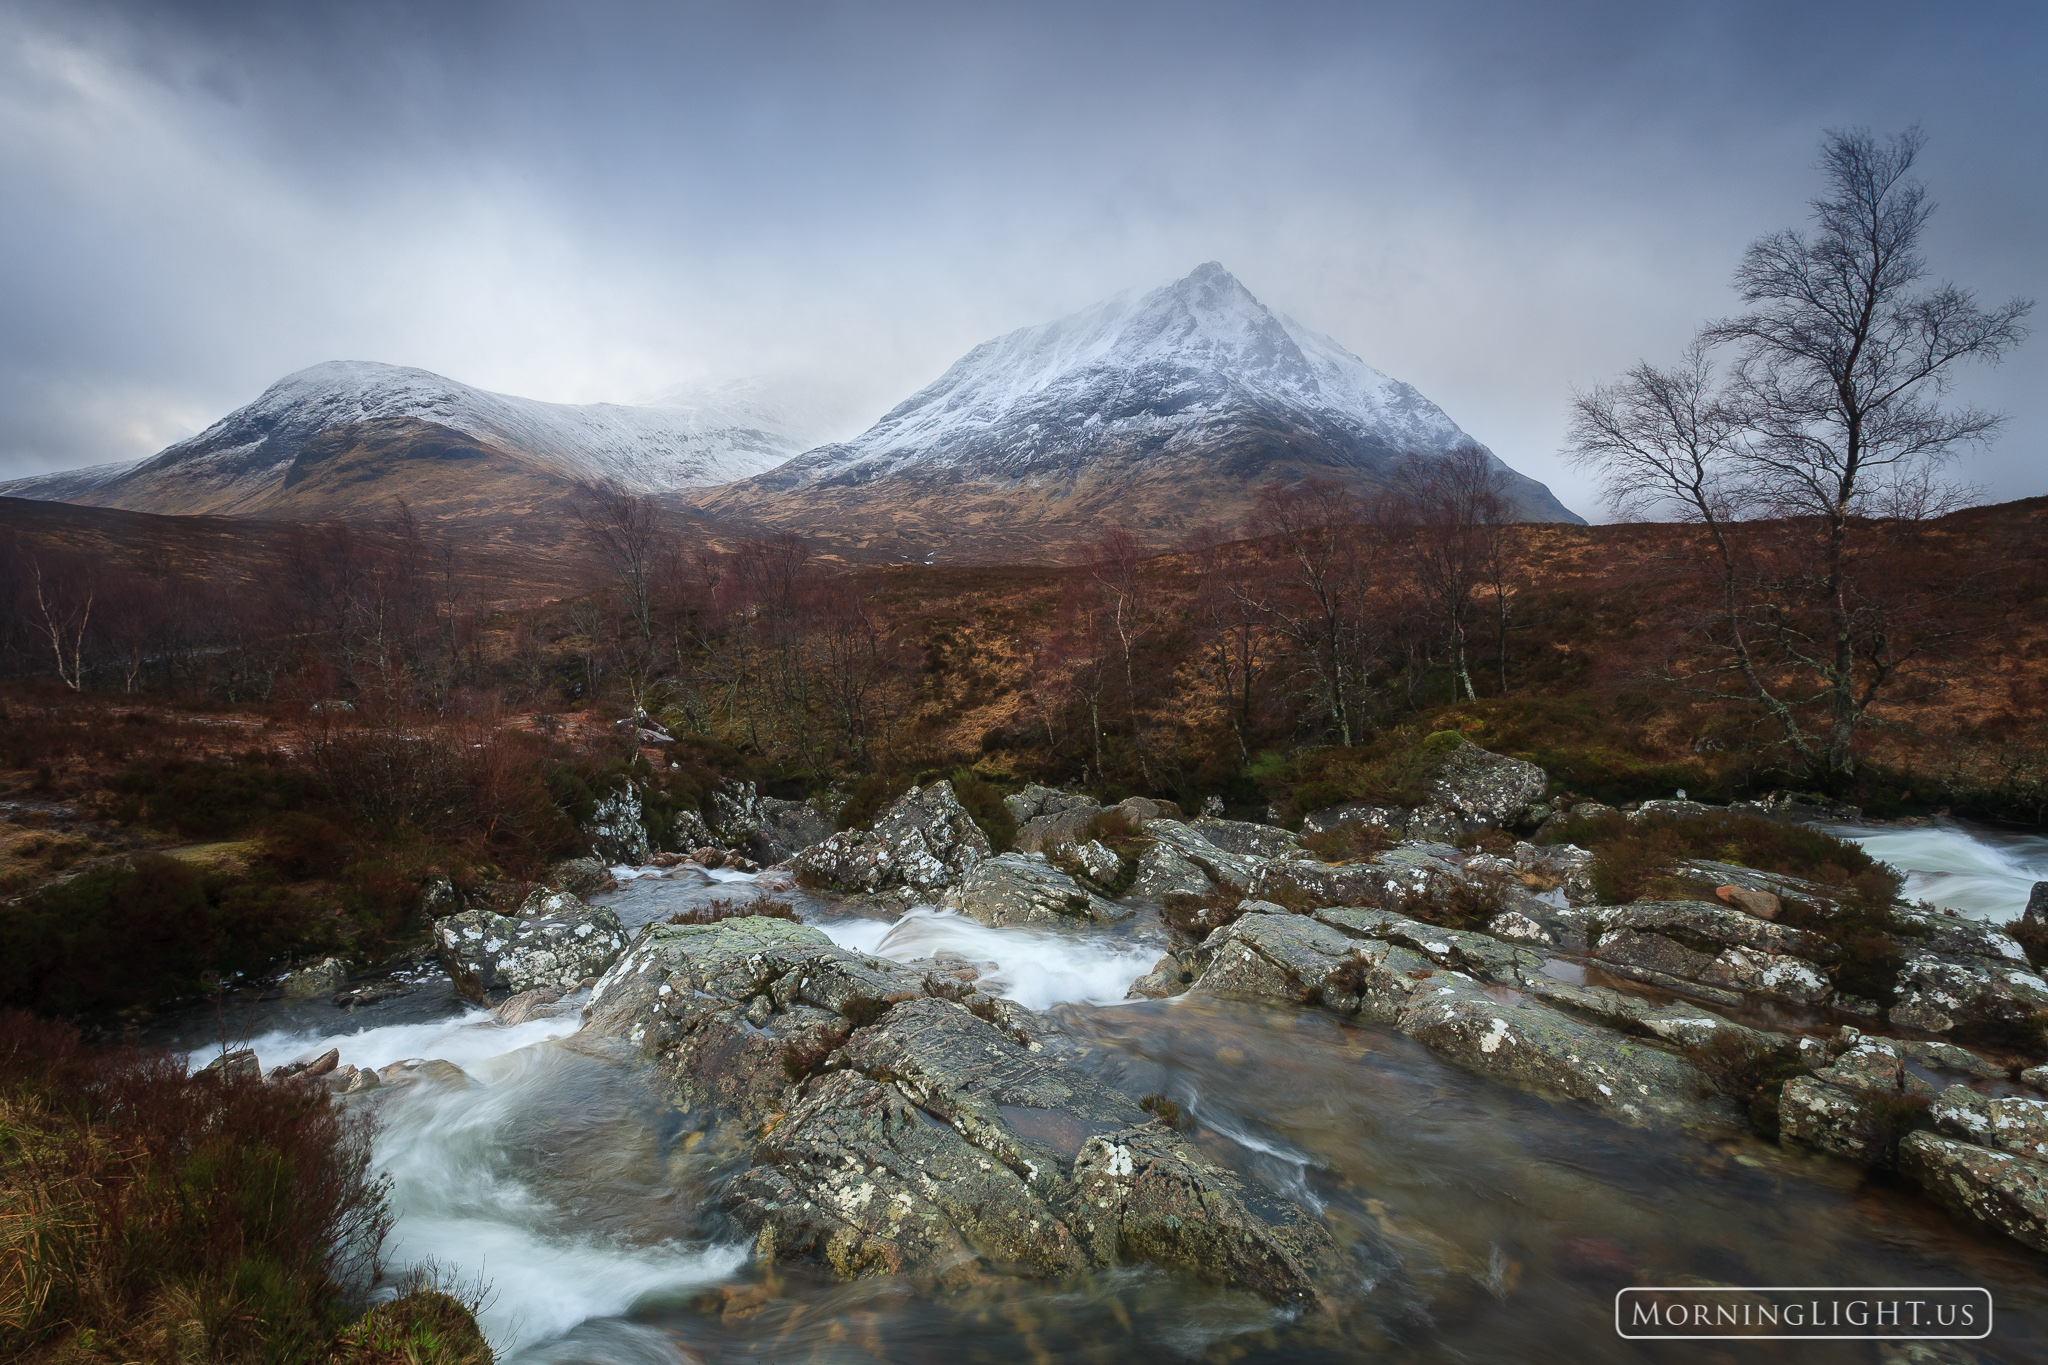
551	1172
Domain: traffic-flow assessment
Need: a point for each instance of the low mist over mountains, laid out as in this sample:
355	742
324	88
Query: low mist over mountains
1158	410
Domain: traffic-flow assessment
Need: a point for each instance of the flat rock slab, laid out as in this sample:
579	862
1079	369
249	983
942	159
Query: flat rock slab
1500	1031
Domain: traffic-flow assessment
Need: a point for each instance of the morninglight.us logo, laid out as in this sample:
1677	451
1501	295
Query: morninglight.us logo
1782	1312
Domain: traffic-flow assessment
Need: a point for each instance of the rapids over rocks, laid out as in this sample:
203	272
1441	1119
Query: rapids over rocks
611	1211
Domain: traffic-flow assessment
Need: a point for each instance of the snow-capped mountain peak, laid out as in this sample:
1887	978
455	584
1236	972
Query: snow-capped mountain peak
1183	355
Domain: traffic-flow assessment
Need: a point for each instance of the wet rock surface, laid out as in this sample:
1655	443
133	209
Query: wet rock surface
1460	993
902	1132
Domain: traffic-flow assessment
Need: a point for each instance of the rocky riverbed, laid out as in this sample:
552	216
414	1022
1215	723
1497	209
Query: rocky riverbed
1200	1093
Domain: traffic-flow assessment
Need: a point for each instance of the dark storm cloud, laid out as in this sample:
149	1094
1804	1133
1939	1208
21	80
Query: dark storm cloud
1494	203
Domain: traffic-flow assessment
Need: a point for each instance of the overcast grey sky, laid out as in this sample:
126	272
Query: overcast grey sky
596	201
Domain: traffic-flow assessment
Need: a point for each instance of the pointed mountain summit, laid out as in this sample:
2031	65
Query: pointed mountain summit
1159	410
345	437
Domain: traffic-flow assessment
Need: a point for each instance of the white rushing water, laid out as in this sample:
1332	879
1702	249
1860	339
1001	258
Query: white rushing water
525	1178
1980	873
1038	968
541	1174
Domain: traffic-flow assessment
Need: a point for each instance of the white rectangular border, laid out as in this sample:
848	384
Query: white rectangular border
1990	1310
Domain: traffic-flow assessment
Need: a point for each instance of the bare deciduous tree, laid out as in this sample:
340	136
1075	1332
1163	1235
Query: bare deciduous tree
1454	507
1830	413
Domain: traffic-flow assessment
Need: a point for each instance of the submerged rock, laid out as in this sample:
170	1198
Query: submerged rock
1019	888
924	842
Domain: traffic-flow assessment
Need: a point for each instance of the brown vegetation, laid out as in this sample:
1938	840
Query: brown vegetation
147	1215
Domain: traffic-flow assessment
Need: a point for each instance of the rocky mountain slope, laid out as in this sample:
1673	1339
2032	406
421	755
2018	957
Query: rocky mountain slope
257	459
1158	410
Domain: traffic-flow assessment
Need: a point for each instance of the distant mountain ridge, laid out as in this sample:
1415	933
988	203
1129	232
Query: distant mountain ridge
241	464
1157	410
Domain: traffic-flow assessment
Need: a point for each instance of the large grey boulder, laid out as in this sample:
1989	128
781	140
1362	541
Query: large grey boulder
2036	912
1047	818
770	829
908	1128
487	954
924	843
1487	788
1023	888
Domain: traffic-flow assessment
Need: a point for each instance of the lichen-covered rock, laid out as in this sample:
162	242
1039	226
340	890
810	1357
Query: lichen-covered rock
1163	871
1829	1118
1145	1195
1711	945
2002	1191
1389	820
1047	818
1022	888
924	842
2036	912
1977	995
910	1125
1220	866
2006	1123
488	954
1487	788
616	830
769	829
1098	860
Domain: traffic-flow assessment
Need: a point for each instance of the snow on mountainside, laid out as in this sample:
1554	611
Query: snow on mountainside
1165	409
1178	356
688	439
